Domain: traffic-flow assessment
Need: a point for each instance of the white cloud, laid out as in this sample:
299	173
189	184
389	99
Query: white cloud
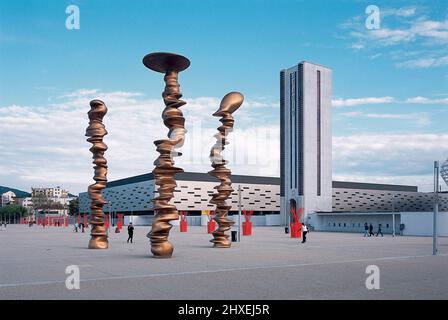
352	102
421	119
357	46
408	27
400	12
427	62
388	157
434	31
45	145
423	100
361	101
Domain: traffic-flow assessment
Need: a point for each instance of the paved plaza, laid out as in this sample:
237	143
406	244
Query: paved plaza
267	265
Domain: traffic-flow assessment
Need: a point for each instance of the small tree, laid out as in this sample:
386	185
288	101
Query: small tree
73	207
12	211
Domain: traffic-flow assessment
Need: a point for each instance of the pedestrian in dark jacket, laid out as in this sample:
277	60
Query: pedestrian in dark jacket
130	232
379	231
371	230
366	229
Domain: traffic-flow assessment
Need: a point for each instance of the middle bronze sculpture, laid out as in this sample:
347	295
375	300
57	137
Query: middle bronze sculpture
229	104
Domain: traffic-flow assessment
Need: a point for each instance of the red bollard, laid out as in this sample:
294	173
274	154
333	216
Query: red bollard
183	221
50	221
119	222
247	225
296	229
78	219
296	226
106	221
211	226
86	221
183	226
247	228
60	221
66	222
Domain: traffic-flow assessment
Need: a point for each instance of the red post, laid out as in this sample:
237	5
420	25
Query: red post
50	221
86	221
60	221
66	221
119	222
183	221
106	221
78	219
247	225
296	225
211	224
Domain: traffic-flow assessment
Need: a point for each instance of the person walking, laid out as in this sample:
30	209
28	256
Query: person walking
379	231
304	232
366	229
371	230
130	232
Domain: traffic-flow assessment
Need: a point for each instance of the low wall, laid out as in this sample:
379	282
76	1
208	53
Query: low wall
421	223
266	220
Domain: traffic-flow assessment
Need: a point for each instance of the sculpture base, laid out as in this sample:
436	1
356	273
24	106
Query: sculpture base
162	250
222	244
98	243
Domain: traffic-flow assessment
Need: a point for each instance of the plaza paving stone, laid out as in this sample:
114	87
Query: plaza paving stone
267	265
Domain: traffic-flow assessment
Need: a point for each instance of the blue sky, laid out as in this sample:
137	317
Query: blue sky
390	86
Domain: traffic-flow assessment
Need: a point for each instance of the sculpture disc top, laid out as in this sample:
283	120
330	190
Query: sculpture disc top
164	61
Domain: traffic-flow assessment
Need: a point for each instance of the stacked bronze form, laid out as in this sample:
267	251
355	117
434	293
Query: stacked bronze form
171	65
229	104
96	131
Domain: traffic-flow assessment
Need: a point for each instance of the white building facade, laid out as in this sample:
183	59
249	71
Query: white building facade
306	138
7	198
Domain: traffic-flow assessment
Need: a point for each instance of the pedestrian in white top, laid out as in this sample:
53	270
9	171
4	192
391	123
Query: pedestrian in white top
304	232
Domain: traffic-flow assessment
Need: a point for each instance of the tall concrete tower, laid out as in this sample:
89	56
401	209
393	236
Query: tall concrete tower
305	126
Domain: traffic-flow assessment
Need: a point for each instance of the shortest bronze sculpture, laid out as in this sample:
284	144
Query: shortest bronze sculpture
96	131
229	104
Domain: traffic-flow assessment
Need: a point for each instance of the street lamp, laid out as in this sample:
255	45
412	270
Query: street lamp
393	214
436	207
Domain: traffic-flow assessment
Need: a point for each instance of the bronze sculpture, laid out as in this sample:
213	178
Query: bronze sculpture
229	104
164	171
96	131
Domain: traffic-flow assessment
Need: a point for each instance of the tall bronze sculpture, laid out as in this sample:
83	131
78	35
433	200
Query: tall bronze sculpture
229	104
170	64
96	131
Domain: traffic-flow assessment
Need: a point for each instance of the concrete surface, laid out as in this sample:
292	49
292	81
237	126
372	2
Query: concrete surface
267	265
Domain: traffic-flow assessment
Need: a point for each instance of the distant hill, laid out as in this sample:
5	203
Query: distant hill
19	193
